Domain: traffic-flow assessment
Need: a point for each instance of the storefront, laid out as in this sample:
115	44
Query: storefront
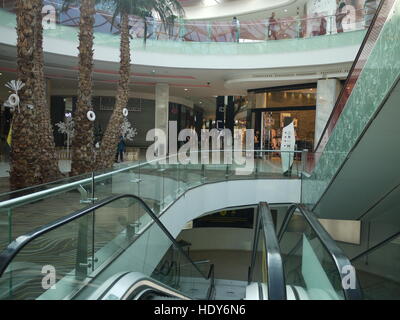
271	109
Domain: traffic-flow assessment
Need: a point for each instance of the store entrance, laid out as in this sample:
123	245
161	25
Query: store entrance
275	108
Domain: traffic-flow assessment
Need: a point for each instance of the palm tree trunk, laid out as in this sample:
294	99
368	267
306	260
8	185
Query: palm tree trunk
82	144
48	159
24	158
109	144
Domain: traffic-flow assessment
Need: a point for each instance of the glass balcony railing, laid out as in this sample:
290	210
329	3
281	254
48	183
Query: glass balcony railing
158	184
60	259
221	31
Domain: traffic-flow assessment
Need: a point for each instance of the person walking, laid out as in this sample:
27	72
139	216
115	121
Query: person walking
121	148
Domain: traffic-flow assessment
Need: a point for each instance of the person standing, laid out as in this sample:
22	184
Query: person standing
121	148
235	29
370	8
340	16
323	26
272	26
150	26
257	144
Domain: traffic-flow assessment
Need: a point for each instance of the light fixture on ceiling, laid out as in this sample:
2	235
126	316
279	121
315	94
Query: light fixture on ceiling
285	10
208	3
186	89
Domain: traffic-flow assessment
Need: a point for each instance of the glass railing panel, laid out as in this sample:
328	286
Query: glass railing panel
379	272
52	266
151	189
255	30
23	216
166	263
260	272
307	263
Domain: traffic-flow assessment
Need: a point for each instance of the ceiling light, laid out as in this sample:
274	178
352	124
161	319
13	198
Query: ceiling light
285	10
186	89
209	2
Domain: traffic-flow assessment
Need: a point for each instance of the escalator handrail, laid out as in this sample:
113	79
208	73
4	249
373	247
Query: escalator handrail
8	254
375	247
276	276
340	259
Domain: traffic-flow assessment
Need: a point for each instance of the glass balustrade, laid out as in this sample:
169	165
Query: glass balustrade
158	184
258	30
60	259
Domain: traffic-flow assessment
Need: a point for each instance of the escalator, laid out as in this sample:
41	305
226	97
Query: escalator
300	262
118	249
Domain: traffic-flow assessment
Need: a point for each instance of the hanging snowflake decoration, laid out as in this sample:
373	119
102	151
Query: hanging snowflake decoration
127	131
13	100
67	127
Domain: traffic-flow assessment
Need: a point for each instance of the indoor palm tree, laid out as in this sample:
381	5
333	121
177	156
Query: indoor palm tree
83	142
24	157
48	159
122	9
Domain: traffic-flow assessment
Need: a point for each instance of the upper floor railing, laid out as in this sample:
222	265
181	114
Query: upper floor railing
348	19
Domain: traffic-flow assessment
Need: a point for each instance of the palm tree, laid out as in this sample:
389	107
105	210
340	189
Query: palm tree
48	160
124	8
25	167
83	142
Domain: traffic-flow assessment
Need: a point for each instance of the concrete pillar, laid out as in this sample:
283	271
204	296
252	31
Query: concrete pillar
162	107
327	94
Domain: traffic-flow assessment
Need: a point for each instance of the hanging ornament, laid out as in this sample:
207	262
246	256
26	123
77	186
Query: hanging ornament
91	116
13	100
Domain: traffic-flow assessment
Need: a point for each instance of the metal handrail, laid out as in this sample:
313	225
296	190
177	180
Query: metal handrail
375	247
337	255
276	276
72	185
17	245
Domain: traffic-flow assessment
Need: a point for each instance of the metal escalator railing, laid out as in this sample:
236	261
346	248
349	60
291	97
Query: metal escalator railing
376	247
85	243
266	262
378	269
318	265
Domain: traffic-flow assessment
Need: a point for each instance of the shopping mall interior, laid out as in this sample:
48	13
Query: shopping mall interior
199	150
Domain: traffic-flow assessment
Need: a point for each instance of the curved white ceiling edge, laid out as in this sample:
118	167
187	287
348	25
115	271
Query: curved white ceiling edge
233	8
217	196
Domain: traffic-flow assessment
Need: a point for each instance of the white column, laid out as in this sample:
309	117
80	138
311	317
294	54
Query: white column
327	93
162	107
